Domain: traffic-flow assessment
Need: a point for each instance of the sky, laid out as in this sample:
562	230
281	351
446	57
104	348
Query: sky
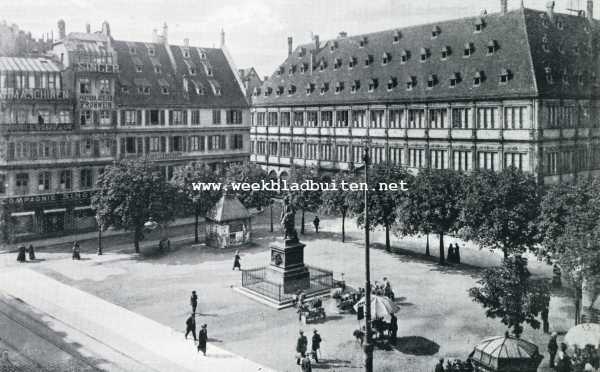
256	31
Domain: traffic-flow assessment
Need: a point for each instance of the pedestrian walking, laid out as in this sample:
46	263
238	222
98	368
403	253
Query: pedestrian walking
76	251
450	256
236	261
393	329
316	345
22	256
202	339
305	365
552	348
194	301
546	324
301	345
31	252
456	253
439	367
316	223
190	326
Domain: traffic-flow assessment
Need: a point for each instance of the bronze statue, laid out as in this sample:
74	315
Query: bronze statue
288	219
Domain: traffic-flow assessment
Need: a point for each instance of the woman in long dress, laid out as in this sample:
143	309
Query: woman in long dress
22	256
76	255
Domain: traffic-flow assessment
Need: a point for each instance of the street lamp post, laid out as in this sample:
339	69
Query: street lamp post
100	240
368	346
271	214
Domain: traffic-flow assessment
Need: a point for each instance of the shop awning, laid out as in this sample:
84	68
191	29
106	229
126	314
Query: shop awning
56	210
82	208
21	214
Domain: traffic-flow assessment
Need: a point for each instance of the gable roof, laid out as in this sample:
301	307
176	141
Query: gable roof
174	68
438	52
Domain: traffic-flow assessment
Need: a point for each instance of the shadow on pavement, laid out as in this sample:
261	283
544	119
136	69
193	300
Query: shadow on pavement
416	345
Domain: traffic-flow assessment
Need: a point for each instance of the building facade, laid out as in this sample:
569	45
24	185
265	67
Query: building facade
95	100
251	81
515	88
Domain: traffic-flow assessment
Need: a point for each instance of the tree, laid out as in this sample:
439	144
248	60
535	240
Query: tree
500	210
189	180
132	192
338	202
250	174
433	205
508	292
303	198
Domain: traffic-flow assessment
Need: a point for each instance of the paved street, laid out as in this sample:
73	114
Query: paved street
437	318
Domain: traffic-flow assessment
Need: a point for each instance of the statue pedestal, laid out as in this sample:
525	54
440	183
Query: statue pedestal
287	266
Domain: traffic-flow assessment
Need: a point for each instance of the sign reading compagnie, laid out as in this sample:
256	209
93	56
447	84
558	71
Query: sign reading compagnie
95	102
46	198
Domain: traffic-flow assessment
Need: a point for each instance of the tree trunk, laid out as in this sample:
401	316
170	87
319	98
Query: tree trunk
196	219
387	237
343	227
427	246
136	240
505	251
302	223
442	258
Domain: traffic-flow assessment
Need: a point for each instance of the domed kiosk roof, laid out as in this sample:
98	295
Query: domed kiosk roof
228	208
506	353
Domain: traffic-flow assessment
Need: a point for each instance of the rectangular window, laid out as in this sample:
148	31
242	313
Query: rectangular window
85	118
461	160
377	119
298	119
177	117
311	118
272	119
488	160
130	147
358	118
273	148
285	149
234	117
64	117
395	155
438	118
516	160
261	148
326	118
2	184
44	179
438	159
216	116
299	150
396	118
341	118
154	144
84	86
514	118
416	118
486	117
416	158
66	179
104	86
153	117
195	117
22	183
461	118
130	117
285	119
260	118
86	178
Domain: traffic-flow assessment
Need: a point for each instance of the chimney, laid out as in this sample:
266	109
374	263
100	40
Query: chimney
88	28
503	6
186	42
266	78
590	10
165	33
105	29
222	38
290	45
550	9
317	43
155	36
343	34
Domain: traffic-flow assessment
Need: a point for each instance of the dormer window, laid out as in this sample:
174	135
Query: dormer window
279	91
411	82
385	59
301	52
139	68
431	81
392	83
479	25
352	62
256	92
491	47
373	83
164	90
151	51
548	73
324	88
216	88
454	79
337	63
268	91
404	56
199	88
445	52
339	87
292	89
424	54
132	50
560	25
322	65
565	77
303	68
333	46
397	36
355	86
125	89
368	60
362	42
505	76
545	46
468	50
280	71
292	70
478	78
186	53
309	88
435	32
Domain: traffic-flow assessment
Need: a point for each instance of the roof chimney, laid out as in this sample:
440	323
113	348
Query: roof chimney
88	28
186	42
105	28
503	6
165	33
290	45
222	38
550	9
62	32
317	43
343	34
590	10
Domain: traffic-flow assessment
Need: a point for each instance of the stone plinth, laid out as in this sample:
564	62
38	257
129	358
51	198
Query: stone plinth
287	266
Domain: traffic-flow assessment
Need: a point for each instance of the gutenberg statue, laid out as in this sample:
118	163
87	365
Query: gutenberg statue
288	219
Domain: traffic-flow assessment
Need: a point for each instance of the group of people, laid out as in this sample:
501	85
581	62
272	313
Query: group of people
455	365
453	254
383	289
24	252
582	360
190	326
303	355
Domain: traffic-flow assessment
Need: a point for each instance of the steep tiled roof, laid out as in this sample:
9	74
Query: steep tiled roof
228	208
433	60
173	69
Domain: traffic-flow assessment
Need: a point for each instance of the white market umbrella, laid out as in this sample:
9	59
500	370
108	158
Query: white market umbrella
584	334
381	307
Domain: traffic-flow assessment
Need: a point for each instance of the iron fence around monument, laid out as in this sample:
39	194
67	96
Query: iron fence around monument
255	280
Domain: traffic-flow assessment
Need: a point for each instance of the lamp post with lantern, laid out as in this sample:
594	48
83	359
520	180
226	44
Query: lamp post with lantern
368	345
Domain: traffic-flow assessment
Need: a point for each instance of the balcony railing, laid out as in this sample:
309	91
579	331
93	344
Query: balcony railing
155	155
36	127
35	94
